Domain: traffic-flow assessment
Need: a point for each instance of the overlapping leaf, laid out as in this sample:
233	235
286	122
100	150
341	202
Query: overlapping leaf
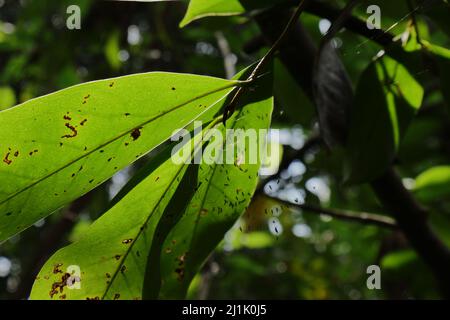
433	184
56	148
112	256
387	97
224	191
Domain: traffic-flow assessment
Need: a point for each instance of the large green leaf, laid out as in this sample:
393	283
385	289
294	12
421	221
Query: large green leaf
60	146
112	256
113	253
387	98
224	191
433	184
198	9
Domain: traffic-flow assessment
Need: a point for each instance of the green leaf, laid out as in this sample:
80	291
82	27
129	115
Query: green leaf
387	98
7	98
112	256
198	9
113	253
439	14
433	184
60	146
291	97
398	259
112	49
442	56
224	192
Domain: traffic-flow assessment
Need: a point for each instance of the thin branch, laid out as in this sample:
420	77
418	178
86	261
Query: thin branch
360	217
414	20
339	21
267	57
276	45
352	23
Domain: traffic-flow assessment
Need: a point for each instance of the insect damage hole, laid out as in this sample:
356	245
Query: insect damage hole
136	133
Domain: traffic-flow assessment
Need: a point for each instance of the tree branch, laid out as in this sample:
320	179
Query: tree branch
412	219
361	217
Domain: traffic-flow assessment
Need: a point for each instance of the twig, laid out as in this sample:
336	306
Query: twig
361	217
267	57
339	22
414	20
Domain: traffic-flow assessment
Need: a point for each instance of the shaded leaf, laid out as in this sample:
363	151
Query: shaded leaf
439	13
433	184
290	96
224	192
333	95
442	56
387	98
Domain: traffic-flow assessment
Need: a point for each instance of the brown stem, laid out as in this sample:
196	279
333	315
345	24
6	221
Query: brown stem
361	217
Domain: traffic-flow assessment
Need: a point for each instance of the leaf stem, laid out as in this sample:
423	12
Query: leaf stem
264	60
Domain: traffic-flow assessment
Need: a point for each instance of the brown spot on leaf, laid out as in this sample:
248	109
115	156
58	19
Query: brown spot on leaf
136	133
56	268
59	285
116	296
73	129
83	122
16	154
123	269
127	241
66	117
6	160
117	256
111	84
